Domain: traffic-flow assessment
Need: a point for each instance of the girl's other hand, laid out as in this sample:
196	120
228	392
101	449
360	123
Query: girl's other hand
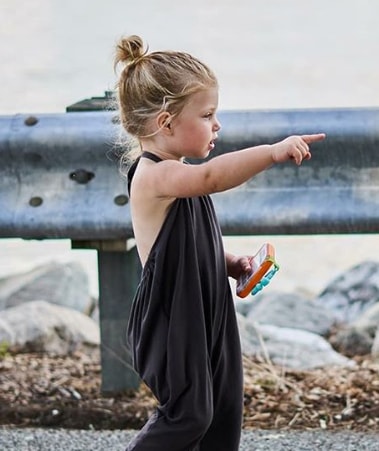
237	265
295	148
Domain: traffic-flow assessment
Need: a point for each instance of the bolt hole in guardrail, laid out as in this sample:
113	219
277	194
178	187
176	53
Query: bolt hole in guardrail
30	121
35	201
121	200
81	176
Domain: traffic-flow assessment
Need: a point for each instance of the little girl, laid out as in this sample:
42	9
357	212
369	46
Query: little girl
182	330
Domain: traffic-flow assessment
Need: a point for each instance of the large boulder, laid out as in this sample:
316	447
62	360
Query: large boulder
353	292
357	338
63	284
292	311
291	348
39	326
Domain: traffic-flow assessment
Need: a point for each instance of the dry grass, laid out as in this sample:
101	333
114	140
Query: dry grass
327	398
37	390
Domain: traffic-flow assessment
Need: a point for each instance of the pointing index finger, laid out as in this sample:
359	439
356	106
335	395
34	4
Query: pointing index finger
309	139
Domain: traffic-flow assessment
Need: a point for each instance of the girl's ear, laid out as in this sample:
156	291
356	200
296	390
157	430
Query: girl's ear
164	121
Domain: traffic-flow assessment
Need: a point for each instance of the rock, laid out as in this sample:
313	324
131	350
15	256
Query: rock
357	338
369	319
291	348
375	345
58	283
39	326
6	333
352	341
250	341
292	311
353	292
243	306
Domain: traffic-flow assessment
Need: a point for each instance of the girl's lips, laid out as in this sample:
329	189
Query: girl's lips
212	144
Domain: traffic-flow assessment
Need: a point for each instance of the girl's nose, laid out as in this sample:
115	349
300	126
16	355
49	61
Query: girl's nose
217	125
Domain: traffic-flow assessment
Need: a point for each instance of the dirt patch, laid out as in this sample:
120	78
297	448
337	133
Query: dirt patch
44	391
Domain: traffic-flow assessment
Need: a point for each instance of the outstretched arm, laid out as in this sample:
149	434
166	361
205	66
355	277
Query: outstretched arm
232	169
228	170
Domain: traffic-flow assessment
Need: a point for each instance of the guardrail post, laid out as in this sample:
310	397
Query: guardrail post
117	282
118	267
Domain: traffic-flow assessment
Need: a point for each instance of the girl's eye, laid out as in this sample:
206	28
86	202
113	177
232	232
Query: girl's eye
208	115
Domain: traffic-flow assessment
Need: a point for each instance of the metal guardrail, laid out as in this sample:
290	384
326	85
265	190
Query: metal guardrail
59	178
336	192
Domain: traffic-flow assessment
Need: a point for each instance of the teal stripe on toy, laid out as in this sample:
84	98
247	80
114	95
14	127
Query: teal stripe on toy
265	280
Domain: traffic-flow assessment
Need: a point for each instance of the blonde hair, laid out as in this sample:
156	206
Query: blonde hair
150	83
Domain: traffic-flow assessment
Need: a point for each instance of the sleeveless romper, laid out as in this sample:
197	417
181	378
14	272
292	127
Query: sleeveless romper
184	337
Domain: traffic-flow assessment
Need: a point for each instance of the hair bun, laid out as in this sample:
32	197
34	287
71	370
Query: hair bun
129	49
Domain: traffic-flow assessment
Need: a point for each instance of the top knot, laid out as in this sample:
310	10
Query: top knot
129	50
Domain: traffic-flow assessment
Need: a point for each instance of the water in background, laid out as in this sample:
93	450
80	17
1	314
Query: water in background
266	53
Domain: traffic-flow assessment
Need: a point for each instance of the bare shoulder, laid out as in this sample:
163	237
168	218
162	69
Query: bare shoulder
148	208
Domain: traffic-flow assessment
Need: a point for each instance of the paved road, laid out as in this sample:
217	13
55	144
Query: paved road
70	440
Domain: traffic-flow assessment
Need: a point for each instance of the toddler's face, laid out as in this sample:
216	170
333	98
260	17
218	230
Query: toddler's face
195	128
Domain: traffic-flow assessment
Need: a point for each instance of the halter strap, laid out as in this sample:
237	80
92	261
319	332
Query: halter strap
132	170
151	156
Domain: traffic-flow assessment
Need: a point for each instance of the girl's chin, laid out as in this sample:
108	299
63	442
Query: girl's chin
201	153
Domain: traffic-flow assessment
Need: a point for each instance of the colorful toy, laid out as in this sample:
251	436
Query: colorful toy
263	269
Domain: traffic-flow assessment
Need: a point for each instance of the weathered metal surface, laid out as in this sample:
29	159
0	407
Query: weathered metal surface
337	191
59	176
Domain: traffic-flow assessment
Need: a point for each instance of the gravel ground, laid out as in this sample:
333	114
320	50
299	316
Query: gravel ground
74	440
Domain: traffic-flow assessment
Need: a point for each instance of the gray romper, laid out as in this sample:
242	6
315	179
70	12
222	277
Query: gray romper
184	337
